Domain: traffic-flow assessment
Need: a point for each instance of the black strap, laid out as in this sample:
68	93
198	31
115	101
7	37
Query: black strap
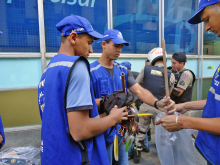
83	148
180	73
111	130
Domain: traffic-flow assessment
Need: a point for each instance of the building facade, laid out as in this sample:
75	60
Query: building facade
30	39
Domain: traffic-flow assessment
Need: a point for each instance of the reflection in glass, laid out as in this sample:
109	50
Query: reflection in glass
139	23
56	10
211	44
180	36
20	27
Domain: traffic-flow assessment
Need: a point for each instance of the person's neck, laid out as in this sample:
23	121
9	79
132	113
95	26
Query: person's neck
106	62
158	63
181	69
64	49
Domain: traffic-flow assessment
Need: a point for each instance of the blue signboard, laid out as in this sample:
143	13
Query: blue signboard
55	10
180	36
20	27
139	23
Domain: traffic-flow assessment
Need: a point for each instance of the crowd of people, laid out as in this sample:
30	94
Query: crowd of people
76	129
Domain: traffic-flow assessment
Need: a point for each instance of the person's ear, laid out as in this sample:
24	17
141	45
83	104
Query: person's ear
73	37
104	44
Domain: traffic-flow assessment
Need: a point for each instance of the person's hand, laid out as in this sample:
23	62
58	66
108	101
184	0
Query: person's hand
169	123
180	108
166	104
119	114
1	139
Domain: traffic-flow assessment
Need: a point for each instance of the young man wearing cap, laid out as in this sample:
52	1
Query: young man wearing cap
151	77
184	79
106	78
208	139
72	132
128	66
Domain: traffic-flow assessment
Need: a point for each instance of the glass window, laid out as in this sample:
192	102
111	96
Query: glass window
56	10
139	23
180	36
20	27
211	44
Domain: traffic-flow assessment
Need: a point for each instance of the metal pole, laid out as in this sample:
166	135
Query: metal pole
42	34
200	61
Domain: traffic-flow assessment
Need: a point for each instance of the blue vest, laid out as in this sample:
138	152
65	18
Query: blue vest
104	85
57	145
209	144
2	133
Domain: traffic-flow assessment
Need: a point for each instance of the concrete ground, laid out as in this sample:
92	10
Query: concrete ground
152	158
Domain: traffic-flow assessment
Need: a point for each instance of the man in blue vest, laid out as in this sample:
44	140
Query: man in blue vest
208	139
106	78
2	135
72	131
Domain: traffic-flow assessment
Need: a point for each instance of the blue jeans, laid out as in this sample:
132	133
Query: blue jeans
122	155
146	144
109	147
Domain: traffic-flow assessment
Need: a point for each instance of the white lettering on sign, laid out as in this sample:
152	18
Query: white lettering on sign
71	2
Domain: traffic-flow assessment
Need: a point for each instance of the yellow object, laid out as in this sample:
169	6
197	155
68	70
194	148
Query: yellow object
141	115
116	148
144	114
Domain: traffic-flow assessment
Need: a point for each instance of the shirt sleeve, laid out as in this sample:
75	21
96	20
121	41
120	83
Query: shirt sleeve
185	80
130	79
140	77
78	93
171	82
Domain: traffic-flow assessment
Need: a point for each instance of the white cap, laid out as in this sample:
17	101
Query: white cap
155	55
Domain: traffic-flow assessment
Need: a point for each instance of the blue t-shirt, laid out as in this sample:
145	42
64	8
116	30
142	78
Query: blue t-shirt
79	78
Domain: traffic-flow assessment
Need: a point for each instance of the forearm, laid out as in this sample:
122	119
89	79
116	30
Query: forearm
83	127
96	126
194	105
147	97
211	125
143	94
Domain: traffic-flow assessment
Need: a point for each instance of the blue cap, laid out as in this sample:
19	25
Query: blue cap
202	4
126	64
1	32
115	36
77	24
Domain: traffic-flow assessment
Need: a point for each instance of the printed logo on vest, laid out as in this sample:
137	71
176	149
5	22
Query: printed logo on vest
156	72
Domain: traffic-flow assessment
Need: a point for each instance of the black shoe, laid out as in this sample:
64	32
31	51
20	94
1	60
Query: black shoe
149	135
137	156
145	149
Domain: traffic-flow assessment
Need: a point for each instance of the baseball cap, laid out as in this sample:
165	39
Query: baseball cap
202	4
126	64
115	36
1	32
75	23
181	57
